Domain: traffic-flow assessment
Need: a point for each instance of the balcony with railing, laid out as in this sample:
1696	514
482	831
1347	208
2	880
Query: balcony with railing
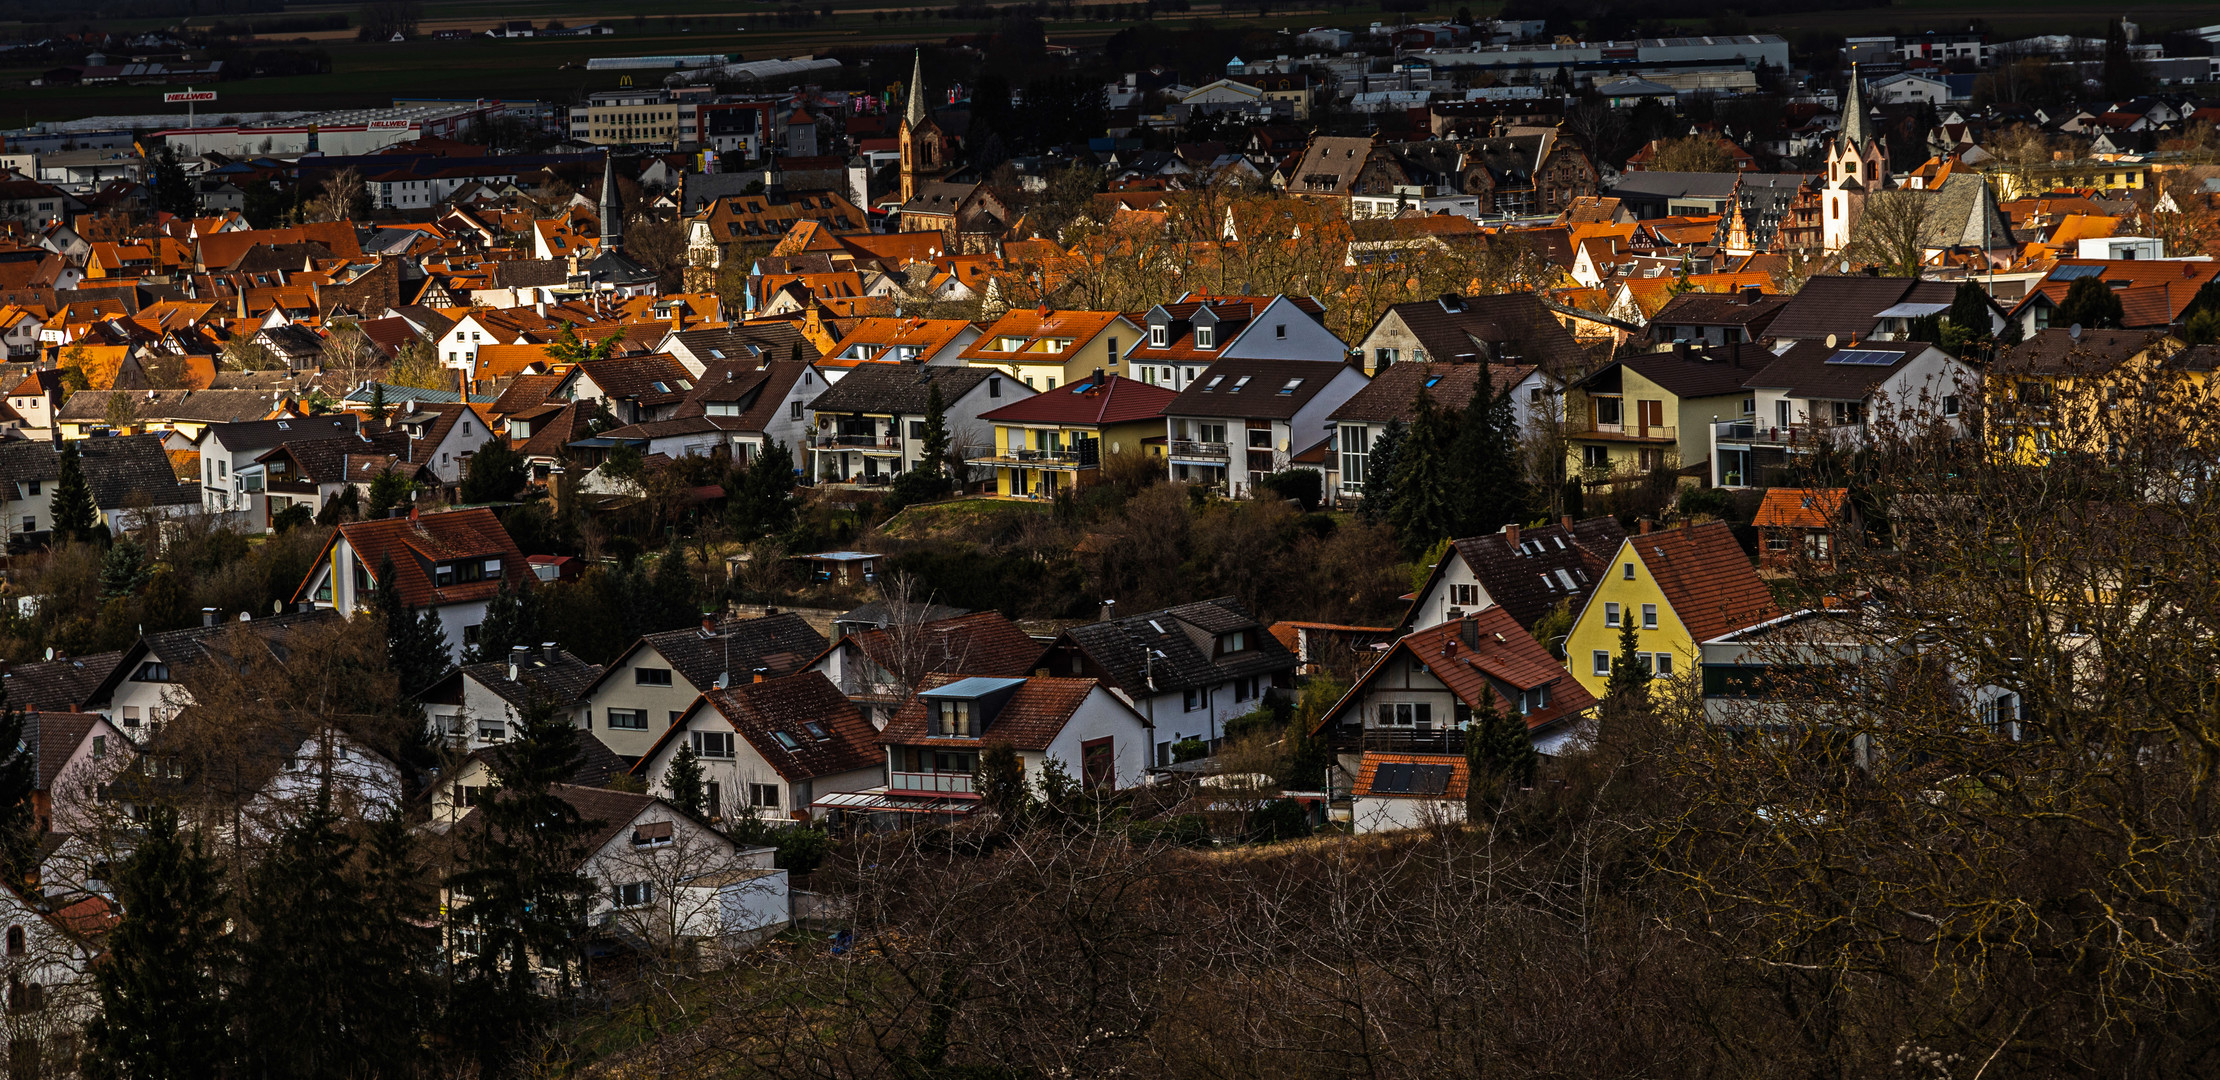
1791	436
1397	740
1189	450
1591	429
935	783
869	444
1038	459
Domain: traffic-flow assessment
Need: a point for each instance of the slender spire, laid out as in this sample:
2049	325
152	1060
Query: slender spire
612	213
914	114
1857	127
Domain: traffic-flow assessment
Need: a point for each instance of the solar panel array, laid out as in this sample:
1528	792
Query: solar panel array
1406	778
2070	273
1866	357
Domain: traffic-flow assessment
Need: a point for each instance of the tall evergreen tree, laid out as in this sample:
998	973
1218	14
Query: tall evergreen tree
1499	757
496	474
163	1013
1486	457
336	964
1379	472
512	619
520	902
415	642
1424	509
2089	303
1000	781
378	405
1629	685
933	448
73	509
671	594
682	782
765	500
123	570
387	490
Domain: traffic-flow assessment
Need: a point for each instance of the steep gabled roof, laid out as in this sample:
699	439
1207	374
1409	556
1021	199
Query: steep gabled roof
57	685
1255	389
776	644
1159	651
1550	564
1508	327
776	717
1705	577
1030	719
1113	399
902	389
1473	654
1393	393
430	538
1800	508
981	643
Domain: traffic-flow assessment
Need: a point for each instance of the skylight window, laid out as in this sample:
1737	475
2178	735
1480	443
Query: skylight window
1291	385
1567	579
817	731
1213	384
1238	384
786	740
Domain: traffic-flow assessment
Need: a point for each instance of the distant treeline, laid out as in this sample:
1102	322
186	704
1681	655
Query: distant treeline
1606	18
288	24
70	11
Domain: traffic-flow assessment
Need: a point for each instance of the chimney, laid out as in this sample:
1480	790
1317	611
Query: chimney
1109	610
412	511
1752	294
708	625
1511	534
208	616
517	655
1469	630
1566	521
1642	527
548	650
1098	378
762	673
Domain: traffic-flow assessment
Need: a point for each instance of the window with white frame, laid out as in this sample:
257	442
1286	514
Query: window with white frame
713	744
1649	616
1602	662
1610	614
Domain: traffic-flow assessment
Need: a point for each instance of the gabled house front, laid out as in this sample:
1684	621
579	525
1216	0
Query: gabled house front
766	749
870	427
1416	705
1243	420
1817	394
450	562
1654	411
1526	570
1045	347
1392	396
1059	440
644	691
1187	670
479	705
1679	587
935	743
1200	329
879	668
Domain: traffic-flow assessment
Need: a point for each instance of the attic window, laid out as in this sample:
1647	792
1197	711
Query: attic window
786	741
1206	337
717	354
1549	583
1238	384
1431	380
1290	387
1213	384
1567	579
817	731
651	834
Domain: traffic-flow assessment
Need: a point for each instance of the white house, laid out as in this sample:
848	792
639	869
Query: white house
870	426
479	705
146	686
934	744
450	562
768	748
1820	391
1242	420
1187	670
231	480
647	689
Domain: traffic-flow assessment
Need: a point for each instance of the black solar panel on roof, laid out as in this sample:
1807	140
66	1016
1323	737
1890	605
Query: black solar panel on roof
1393	778
1864	357
2072	273
1429	779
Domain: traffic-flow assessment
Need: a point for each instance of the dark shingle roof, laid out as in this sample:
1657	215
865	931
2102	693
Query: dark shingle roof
57	684
121	472
901	389
781	643
562	680
761	711
1849	306
981	643
1525	580
1393	394
1804	372
1508	327
1185	636
1220	390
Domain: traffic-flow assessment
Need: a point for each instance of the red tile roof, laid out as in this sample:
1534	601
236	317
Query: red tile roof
1114	399
1706	578
1479	658
1031	719
414	544
1800	508
1369	771
761	711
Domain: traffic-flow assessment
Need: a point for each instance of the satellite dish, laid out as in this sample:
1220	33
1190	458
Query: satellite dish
50	652
1830	341
277	607
2074	331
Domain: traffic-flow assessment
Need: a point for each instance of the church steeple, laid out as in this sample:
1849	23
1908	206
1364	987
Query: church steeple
612	213
1857	126
914	111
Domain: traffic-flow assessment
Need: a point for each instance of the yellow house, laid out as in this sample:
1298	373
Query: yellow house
1057	440
1680	587
1045	348
1655	410
2054	391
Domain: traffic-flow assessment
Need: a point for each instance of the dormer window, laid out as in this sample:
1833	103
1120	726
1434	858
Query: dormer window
1206	337
952	719
1159	336
1237	641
